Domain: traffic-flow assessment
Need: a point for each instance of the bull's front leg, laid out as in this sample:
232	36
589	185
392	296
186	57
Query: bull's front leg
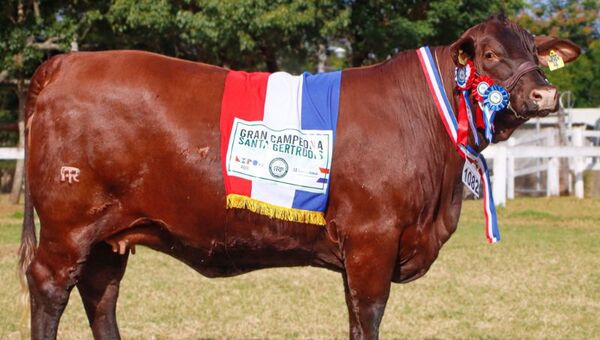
369	257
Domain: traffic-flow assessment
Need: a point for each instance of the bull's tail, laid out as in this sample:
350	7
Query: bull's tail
41	78
26	250
28	237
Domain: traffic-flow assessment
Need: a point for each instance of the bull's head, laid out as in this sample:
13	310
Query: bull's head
511	56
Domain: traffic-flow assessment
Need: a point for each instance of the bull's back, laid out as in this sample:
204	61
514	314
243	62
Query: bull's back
138	128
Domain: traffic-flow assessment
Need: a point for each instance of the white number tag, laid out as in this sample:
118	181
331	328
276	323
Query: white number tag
470	177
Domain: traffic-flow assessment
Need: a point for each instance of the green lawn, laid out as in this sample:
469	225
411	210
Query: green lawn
541	281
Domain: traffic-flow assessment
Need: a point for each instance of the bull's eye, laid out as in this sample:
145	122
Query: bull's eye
490	55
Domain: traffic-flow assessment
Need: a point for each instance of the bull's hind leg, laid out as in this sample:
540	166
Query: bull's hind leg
51	276
55	269
99	289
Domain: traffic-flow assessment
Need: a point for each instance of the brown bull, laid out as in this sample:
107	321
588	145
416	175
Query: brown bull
143	132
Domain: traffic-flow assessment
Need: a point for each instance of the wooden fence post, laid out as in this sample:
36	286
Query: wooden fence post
499	184
578	162
510	171
553	172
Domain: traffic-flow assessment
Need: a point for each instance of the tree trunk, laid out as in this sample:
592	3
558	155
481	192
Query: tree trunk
270	59
322	57
358	59
17	186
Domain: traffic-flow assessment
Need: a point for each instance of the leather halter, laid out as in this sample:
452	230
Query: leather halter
525	67
511	82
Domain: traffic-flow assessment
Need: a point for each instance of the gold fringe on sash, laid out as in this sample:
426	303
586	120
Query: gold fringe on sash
274	211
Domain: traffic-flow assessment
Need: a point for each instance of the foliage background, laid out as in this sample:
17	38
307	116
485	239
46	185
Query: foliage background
269	35
282	34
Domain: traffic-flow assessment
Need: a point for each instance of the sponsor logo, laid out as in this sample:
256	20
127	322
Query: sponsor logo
278	167
247	162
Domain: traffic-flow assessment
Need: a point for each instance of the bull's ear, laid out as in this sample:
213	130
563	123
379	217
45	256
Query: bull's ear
566	49
462	50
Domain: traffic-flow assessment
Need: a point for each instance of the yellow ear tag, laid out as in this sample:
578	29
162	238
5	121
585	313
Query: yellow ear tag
461	60
555	61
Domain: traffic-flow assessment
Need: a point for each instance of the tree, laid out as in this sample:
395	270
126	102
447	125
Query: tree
252	35
278	34
21	51
29	33
377	29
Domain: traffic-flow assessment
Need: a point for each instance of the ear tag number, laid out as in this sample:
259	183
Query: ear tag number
555	61
471	179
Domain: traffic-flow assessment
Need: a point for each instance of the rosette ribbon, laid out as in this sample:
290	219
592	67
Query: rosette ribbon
495	99
492	233
464	77
478	88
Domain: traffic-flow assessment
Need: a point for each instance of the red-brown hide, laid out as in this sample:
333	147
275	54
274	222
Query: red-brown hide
143	130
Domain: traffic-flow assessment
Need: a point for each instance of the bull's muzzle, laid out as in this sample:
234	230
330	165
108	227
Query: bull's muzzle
545	98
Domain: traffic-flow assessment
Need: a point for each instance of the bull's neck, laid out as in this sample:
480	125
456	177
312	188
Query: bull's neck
440	148
446	67
392	101
406	69
409	104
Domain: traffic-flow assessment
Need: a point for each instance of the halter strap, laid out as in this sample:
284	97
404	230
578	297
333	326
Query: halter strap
525	67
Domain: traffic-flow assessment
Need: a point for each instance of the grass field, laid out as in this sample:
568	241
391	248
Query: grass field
541	281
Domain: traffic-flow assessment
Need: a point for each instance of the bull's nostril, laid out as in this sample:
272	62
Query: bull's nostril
544	98
536	96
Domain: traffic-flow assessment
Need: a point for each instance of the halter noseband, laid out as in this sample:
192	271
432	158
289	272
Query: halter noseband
525	67
510	83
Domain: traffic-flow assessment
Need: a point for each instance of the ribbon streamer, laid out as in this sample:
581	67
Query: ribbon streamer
478	88
463	120
464	77
465	97
446	113
492	232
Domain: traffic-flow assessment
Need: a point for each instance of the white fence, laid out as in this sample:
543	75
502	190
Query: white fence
11	153
503	157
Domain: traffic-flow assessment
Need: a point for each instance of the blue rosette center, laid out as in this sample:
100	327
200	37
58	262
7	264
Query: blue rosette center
495	98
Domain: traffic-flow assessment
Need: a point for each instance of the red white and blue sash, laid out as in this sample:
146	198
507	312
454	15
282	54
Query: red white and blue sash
277	135
448	117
